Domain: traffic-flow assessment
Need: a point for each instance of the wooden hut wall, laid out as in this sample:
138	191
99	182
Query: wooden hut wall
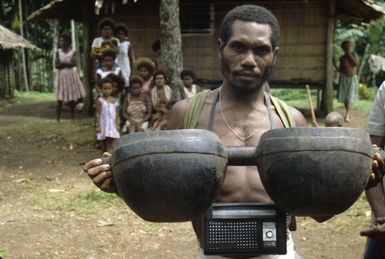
302	42
7	85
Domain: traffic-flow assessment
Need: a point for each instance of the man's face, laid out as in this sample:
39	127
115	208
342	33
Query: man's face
248	56
106	31
159	80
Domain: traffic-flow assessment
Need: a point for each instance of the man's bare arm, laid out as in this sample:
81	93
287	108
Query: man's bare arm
177	115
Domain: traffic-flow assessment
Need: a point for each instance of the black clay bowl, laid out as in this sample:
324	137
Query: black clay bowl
169	176
314	171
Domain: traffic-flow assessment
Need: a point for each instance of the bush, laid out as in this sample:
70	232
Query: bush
365	93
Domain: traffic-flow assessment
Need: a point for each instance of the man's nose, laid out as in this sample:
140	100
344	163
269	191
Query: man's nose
249	61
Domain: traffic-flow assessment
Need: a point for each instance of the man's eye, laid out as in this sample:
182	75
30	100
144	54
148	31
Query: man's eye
263	51
237	47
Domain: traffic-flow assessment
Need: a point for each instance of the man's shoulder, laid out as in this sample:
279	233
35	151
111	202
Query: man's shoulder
287	112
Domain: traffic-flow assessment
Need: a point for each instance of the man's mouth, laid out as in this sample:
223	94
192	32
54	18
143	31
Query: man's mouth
246	74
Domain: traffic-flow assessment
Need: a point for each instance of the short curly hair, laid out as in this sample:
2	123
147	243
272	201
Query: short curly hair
136	80
145	62
109	53
121	27
250	13
106	22
187	72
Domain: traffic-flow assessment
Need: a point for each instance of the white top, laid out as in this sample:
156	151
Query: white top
97	42
66	57
194	90
107	120
103	73
154	94
123	61
376	120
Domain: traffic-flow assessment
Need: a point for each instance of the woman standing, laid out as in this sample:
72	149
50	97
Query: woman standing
68	86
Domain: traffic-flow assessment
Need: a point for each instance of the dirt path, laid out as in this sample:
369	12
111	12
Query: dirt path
50	209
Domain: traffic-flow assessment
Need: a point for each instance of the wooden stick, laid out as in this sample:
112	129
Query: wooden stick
314	120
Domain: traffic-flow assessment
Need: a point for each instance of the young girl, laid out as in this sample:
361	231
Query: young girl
108	61
137	108
189	88
68	86
125	58
106	118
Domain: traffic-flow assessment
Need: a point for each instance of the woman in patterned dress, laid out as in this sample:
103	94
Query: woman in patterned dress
68	86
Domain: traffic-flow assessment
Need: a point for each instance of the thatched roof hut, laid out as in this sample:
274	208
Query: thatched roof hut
11	40
8	42
306	43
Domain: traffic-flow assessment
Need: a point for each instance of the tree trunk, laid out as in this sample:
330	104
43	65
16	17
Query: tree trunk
171	43
23	53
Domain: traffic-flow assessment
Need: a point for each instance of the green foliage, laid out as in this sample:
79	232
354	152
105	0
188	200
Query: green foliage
3	252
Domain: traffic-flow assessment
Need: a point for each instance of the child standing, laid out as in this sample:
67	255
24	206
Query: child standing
106	118
137	107
125	58
68	85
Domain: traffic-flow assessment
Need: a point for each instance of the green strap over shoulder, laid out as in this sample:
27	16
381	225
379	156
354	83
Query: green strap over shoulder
194	110
284	112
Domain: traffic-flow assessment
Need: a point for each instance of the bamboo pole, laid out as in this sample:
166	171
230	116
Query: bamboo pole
314	120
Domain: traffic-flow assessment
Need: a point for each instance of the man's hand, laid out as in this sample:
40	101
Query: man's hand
376	232
101	174
378	170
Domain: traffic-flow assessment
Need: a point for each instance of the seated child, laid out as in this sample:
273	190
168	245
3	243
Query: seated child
137	107
334	119
189	88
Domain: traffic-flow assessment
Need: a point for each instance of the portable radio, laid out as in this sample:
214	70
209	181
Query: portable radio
244	229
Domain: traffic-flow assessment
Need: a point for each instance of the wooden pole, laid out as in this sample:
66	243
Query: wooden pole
25	72
314	120
327	102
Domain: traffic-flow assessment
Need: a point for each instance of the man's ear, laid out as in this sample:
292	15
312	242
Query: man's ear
275	55
220	48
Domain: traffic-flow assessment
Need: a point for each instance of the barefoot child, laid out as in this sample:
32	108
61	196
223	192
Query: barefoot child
137	108
106	118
